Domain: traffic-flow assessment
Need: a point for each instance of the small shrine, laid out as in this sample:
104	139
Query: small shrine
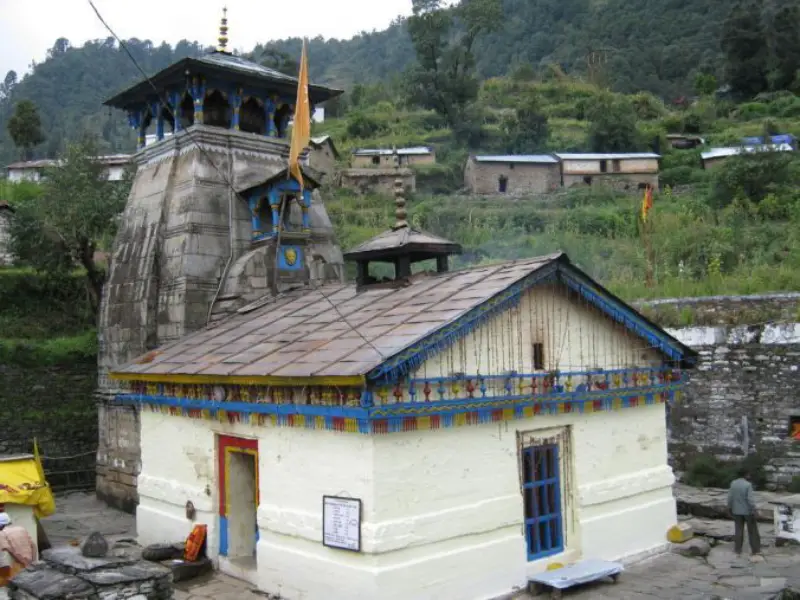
440	434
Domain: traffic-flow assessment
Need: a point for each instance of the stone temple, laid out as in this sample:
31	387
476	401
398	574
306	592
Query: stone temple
200	234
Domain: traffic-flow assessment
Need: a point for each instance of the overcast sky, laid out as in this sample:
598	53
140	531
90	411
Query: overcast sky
29	27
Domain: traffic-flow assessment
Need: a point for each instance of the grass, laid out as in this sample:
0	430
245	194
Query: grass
56	351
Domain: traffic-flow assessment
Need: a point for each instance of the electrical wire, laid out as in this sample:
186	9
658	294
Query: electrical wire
221	174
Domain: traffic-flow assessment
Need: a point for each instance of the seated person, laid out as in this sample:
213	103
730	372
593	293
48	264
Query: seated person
17	549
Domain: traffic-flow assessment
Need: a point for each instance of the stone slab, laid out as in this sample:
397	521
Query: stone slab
70	559
47	584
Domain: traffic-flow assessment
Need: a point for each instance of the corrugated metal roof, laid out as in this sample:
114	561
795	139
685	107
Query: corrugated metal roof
735	150
385	152
336	330
608	156
518	158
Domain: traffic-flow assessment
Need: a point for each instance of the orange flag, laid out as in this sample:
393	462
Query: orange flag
647	203
301	130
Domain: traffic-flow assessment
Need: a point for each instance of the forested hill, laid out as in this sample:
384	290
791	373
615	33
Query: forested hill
653	45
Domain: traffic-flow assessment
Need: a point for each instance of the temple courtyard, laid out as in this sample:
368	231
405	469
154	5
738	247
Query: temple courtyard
719	575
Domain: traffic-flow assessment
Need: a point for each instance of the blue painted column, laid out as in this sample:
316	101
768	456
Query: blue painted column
175	98
285	121
198	94
138	123
306	205
159	118
256	219
269	113
275	205
236	97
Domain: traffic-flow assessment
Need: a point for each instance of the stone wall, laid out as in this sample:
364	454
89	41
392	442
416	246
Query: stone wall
521	178
744	394
377	181
5	217
54	405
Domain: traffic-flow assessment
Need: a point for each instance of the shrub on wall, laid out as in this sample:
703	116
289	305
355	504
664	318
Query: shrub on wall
708	471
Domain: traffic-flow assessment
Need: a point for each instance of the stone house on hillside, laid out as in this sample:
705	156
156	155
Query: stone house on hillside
512	174
322	156
625	170
381	158
33	170
716	156
6	214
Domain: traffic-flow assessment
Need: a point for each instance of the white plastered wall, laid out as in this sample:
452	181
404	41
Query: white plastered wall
442	509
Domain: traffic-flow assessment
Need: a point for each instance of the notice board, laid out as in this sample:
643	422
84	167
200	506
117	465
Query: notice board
341	523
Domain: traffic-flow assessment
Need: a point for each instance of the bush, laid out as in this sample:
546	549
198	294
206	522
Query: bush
361	125
794	486
708	471
752	110
676	176
57	351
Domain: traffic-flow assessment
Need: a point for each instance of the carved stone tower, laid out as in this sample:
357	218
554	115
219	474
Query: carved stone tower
213	222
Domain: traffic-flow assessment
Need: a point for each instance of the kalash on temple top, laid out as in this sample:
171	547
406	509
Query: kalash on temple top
217	89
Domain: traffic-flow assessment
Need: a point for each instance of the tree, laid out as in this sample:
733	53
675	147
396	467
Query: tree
705	84
744	43
612	125
280	61
25	127
527	131
444	77
785	47
8	84
75	212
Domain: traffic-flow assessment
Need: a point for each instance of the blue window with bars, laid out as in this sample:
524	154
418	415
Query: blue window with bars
541	487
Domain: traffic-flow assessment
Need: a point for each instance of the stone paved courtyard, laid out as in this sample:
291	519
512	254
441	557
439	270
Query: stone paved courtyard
666	577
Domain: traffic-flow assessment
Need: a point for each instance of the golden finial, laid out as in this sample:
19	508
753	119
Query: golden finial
223	31
400	212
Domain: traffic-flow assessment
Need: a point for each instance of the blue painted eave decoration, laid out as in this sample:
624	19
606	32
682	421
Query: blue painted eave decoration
560	270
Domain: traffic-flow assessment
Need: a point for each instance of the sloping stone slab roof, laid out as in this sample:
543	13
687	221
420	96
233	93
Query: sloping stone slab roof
376	332
403	240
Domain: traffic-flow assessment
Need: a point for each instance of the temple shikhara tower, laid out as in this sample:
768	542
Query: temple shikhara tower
199	235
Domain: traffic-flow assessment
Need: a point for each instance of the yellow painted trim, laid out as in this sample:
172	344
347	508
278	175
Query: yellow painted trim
333	380
228	451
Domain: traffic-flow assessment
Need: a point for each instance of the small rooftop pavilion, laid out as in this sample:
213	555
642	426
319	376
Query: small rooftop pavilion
218	89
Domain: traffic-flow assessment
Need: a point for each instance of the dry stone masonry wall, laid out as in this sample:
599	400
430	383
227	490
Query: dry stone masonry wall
744	396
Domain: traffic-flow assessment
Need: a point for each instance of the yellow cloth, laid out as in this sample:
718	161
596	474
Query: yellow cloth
21	483
301	130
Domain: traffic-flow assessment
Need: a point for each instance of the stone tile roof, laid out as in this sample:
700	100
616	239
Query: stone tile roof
336	330
405	240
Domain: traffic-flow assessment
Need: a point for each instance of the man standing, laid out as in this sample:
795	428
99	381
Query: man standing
742	506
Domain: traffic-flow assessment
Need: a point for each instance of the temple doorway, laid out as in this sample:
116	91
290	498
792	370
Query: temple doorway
238	501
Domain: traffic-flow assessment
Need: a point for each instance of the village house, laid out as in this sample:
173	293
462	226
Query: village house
684	141
376	158
624	170
431	434
512	174
322	155
6	214
33	170
716	156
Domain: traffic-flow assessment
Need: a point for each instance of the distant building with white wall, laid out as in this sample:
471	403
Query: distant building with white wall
33	170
